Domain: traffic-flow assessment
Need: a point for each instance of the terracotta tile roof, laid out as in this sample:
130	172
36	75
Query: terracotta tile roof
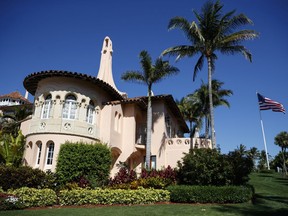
15	95
31	81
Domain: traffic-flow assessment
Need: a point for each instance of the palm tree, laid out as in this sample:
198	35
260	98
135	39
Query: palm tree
213	32
191	110
150	74
218	100
282	140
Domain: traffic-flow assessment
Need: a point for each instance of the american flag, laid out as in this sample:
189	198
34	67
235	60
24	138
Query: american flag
266	104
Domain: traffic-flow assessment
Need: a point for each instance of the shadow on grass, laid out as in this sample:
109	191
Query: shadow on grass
283	181
262	206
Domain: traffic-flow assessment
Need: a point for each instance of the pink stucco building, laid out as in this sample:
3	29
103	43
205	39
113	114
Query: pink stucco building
75	107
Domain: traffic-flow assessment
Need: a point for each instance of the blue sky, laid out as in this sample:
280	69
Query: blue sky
38	35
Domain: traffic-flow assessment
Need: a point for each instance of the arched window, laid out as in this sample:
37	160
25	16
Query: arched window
70	107
46	108
119	123
116	121
39	150
50	153
90	113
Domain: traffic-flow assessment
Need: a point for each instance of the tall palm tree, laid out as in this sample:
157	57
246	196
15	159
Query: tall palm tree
214	31
282	140
150	74
218	100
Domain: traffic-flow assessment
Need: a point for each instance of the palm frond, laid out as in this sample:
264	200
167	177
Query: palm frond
134	76
198	66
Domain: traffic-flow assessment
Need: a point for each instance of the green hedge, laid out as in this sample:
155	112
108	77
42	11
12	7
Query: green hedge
110	197
78	160
31	197
210	194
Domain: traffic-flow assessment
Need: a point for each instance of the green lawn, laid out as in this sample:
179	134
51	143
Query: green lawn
271	199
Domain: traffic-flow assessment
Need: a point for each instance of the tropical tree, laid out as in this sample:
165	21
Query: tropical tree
282	140
218	100
10	123
191	110
12	148
213	31
254	154
150	74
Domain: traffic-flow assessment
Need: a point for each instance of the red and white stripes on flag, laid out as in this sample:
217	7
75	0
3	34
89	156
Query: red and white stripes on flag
267	104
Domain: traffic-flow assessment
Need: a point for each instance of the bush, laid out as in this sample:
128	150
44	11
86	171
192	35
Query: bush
204	167
210	194
209	167
80	160
242	165
13	178
158	179
110	197
31	197
9	202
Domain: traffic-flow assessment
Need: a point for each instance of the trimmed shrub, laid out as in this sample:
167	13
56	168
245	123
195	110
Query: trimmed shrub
31	197
210	194
81	160
13	178
110	197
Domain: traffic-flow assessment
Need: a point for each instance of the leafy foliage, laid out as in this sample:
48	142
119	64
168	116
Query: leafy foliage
13	178
79	160
210	194
12	148
110	197
158	179
31	197
209	167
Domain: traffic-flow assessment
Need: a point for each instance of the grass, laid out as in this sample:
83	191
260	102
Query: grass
271	199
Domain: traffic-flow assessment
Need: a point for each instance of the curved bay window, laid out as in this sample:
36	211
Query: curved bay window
70	107
46	108
90	113
50	153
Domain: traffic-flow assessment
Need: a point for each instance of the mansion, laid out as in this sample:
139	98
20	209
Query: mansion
76	107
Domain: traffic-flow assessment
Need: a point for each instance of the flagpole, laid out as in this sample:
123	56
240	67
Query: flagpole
264	139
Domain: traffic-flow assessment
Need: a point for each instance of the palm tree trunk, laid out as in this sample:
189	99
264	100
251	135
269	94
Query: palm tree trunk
149	130
284	162
191	135
213	138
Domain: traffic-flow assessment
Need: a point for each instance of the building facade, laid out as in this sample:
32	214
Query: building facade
76	107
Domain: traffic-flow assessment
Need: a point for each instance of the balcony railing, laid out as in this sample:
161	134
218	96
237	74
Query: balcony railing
197	142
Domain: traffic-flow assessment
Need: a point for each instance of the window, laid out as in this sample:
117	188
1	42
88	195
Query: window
168	126
50	153
152	161
46	108
70	107
117	122
39	145
90	113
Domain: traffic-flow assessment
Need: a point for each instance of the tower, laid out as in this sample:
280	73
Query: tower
105	68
